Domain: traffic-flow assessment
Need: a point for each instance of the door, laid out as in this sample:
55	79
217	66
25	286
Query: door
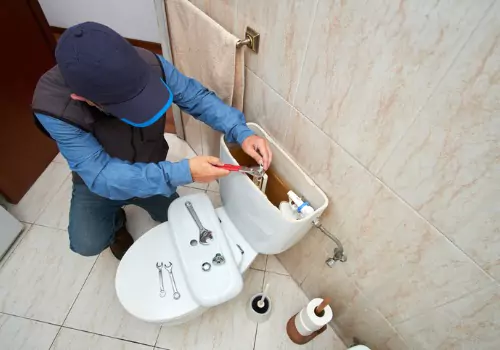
27	52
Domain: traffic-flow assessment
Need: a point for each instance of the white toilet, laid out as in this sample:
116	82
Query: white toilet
247	224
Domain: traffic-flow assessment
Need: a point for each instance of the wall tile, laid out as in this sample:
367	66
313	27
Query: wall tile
284	28
192	132
221	11
472	322
265	107
388	242
370	67
447	165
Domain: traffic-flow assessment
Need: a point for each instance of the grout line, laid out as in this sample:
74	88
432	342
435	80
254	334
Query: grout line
431	94
158	336
106	336
74	301
53	195
306	50
396	195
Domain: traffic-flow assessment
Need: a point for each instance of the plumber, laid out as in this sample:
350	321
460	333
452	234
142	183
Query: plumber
104	104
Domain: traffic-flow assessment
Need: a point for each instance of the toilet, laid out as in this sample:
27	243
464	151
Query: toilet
246	225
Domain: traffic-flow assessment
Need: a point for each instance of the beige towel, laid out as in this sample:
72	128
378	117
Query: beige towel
203	50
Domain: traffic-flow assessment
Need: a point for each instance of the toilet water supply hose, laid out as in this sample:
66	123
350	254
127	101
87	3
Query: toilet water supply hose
303	209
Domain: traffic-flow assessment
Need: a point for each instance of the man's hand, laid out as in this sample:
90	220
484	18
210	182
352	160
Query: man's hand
258	148
203	169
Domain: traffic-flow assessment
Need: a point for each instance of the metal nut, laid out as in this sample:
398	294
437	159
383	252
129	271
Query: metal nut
218	259
206	266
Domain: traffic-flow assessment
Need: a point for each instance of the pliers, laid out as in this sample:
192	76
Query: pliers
257	171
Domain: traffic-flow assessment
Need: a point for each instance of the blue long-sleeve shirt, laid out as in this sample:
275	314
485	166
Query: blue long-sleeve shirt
117	179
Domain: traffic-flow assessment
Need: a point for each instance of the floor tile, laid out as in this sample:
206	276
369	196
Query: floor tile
213	186
41	193
274	265
70	339
21	334
178	149
260	262
14	245
138	221
59	159
198	185
225	327
43	276
98	310
287	299
215	198
56	214
185	191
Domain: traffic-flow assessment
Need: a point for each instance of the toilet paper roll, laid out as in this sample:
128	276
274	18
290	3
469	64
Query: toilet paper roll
312	321
301	327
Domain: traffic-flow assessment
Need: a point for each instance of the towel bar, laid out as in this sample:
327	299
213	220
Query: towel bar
252	40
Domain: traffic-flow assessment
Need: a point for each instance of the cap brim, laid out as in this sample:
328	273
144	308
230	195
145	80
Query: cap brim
145	108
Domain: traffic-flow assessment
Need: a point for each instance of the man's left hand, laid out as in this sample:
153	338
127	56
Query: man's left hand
258	148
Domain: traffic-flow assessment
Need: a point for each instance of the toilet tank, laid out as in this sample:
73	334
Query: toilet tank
261	222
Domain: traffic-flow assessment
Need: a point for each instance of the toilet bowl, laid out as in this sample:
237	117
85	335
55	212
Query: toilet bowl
247	224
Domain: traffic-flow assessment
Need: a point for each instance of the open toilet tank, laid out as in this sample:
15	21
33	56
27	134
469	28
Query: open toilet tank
248	223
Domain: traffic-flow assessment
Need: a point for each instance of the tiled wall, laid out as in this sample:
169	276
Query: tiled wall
393	108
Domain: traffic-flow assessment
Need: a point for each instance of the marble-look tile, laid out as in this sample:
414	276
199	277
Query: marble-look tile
370	67
335	171
213	186
284	28
287	300
221	11
98	310
472	322
265	107
224	327
274	265
354	314
185	191
388	242
59	159
447	165
41	193
138	221
178	149
215	198
70	339
260	262
21	334
15	244
56	213
43	276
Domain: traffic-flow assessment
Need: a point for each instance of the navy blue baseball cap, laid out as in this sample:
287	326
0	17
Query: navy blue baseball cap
98	64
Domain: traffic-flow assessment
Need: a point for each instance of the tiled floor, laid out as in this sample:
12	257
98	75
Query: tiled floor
51	298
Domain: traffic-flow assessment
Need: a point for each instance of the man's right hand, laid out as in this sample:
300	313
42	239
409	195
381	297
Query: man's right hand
203	169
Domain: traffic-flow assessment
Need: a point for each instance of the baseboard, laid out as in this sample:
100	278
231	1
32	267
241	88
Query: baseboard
148	45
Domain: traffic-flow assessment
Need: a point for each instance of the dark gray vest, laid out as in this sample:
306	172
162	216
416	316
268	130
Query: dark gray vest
119	140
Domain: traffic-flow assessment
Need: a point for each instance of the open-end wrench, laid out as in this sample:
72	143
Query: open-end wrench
159	266
168	267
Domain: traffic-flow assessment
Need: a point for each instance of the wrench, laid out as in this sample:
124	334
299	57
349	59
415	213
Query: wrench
205	235
159	266
168	267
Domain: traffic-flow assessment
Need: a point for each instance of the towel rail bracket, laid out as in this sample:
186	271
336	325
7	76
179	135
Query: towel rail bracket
252	40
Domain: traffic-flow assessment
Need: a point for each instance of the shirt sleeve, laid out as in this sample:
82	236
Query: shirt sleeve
196	100
111	177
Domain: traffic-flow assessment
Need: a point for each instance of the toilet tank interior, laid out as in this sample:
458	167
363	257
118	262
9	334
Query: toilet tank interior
283	175
256	214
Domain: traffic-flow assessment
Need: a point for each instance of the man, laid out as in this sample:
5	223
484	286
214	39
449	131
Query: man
104	104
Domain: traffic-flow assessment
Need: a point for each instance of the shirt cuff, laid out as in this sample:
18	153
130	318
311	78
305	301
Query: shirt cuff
181	174
240	133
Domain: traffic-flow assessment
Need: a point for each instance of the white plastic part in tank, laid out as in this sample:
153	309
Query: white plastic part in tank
262	224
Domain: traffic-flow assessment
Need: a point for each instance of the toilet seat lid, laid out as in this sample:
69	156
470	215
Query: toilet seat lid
137	280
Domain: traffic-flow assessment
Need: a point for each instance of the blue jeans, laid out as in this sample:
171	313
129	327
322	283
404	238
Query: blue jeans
93	220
